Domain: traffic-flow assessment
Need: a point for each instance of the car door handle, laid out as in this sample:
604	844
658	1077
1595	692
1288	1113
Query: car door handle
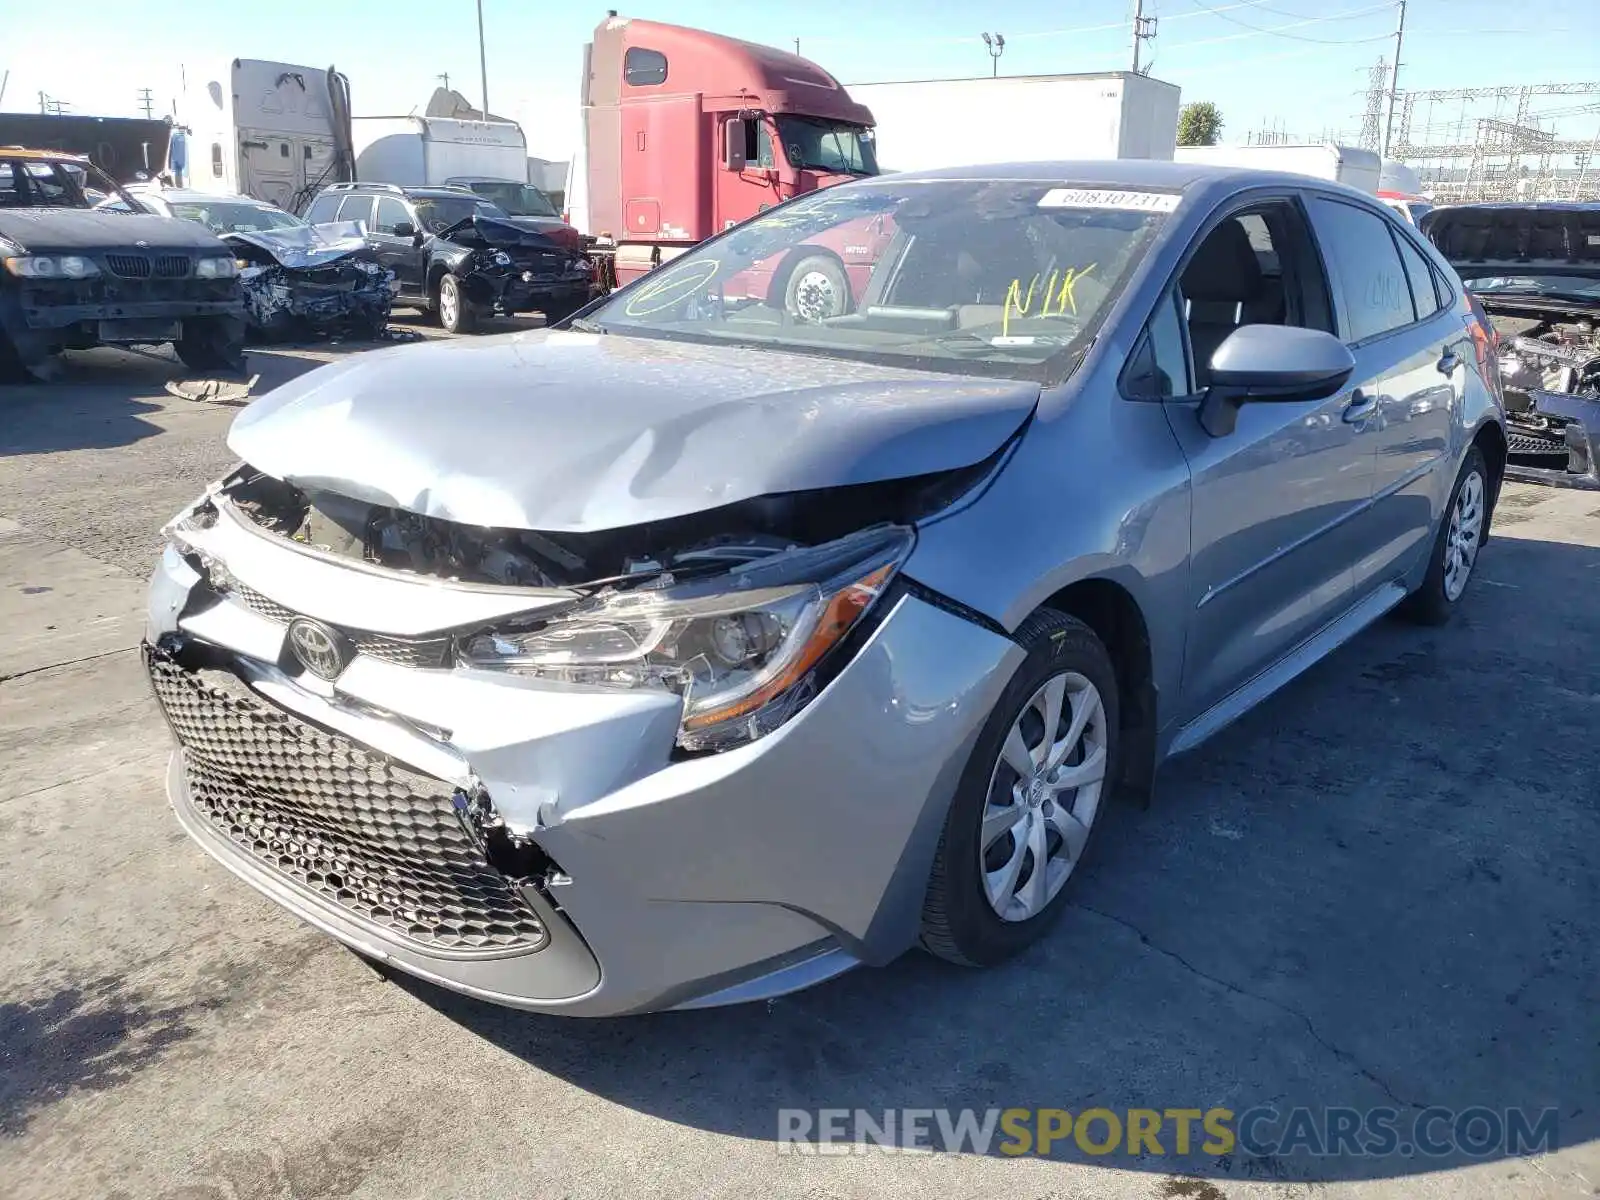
1361	407
1449	361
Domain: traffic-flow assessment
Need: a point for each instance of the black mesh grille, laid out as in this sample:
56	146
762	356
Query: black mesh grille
405	652
129	266
368	835
172	266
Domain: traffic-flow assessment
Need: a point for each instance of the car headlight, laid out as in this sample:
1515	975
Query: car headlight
69	266
216	268
744	650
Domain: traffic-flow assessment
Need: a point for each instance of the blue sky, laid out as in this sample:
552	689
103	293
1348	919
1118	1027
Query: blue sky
1305	76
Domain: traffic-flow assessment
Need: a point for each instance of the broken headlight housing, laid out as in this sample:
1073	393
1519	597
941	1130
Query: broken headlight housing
743	649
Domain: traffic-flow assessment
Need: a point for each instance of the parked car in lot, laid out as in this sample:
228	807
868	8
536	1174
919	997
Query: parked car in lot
691	654
1535	269
74	278
461	258
297	279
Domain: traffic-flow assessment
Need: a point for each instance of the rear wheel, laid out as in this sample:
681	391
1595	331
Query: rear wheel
1029	800
456	313
212	344
1455	549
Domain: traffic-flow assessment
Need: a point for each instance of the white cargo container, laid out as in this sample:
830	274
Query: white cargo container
933	123
423	151
1322	160
262	129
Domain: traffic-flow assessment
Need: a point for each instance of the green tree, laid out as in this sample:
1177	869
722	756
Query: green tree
1199	124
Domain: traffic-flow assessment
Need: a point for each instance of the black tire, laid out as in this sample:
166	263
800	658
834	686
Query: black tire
818	285
456	313
1431	603
958	922
212	344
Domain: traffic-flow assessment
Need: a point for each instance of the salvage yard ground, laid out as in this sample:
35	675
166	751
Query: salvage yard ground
1379	889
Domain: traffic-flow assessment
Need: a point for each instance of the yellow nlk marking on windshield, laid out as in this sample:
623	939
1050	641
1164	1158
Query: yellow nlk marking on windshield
1064	297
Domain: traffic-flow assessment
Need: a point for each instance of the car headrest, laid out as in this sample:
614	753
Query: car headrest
1225	268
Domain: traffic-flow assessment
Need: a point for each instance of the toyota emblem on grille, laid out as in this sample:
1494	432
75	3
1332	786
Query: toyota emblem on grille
319	649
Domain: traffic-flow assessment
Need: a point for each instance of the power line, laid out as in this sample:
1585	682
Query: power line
1298	37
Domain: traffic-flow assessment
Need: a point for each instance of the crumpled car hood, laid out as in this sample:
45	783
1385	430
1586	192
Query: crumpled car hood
1519	239
63	230
511	232
575	432
305	245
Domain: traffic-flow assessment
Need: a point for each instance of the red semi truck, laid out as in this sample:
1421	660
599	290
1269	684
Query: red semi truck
687	133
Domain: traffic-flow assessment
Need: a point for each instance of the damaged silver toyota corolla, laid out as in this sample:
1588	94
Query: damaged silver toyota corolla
694	653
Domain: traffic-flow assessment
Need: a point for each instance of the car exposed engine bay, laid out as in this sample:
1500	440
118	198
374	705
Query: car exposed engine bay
1550	373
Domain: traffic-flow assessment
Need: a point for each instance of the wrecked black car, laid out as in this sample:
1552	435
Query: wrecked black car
72	278
298	280
316	279
460	258
1535	269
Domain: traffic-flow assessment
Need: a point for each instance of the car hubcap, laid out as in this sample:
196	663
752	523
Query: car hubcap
447	303
1044	793
1463	536
815	297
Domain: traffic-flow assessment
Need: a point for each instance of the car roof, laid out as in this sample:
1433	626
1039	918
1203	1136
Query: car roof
193	196
1126	172
43	155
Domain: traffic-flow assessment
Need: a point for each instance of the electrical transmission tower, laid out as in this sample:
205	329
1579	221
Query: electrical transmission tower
1372	115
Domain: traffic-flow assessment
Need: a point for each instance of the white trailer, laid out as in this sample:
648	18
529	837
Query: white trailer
263	129
1350	165
932	123
426	151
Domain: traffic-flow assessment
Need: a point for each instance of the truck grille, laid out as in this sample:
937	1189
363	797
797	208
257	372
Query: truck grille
129	266
377	840
430	652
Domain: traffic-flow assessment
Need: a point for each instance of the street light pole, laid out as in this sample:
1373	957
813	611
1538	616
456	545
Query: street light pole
483	63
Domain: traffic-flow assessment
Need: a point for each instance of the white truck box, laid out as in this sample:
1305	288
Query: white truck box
933	123
1322	160
423	151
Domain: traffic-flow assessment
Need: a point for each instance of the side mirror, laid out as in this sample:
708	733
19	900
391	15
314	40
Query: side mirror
403	229
1271	364
733	158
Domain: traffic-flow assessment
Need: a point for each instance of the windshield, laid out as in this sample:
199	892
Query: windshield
984	277
235	218
438	213
518	199
33	183
828	146
1535	285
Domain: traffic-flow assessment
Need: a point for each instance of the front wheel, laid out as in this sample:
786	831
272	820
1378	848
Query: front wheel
817	289
456	313
1028	802
1455	549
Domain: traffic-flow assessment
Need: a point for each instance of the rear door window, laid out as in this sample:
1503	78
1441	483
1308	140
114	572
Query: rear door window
1424	294
1372	279
357	208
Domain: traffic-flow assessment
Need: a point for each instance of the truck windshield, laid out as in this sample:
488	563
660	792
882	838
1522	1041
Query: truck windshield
827	146
996	277
518	199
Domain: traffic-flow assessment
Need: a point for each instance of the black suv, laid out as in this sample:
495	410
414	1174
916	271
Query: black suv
460	257
72	277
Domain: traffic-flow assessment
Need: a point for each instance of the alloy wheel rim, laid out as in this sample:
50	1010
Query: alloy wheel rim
1044	794
814	297
1463	536
447	302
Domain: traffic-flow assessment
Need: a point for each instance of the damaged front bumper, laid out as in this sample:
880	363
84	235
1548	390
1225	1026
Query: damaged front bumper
1573	433
543	845
350	296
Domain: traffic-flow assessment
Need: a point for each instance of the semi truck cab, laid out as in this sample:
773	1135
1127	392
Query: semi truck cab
687	133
